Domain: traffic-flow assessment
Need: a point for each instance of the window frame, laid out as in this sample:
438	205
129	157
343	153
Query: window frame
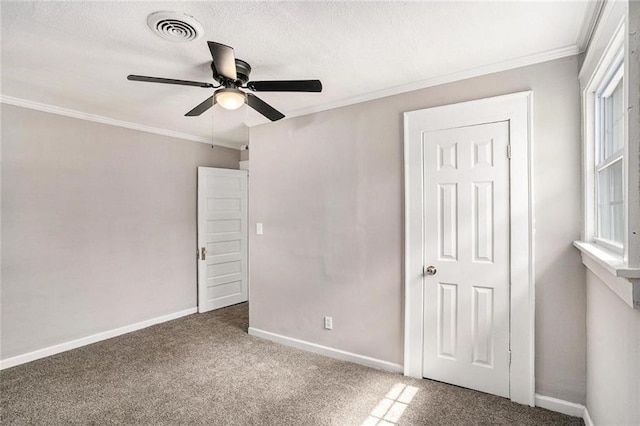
619	272
611	65
605	86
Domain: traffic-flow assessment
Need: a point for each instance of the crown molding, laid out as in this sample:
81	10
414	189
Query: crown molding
589	23
10	100
436	81
607	32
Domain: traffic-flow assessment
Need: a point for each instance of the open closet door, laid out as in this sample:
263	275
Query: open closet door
222	238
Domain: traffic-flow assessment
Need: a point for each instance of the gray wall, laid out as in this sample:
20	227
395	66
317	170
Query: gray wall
98	226
329	189
613	348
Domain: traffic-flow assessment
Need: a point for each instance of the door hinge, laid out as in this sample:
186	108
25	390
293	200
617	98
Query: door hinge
508	151
201	253
509	355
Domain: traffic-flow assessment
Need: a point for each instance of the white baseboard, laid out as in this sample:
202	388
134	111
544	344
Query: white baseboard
560	405
587	418
73	344
325	350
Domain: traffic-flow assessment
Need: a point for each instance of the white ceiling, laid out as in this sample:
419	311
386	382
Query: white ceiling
76	55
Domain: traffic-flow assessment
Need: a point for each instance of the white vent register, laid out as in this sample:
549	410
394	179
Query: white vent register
174	26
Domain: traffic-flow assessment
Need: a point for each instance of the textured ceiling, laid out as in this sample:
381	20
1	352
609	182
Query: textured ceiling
76	55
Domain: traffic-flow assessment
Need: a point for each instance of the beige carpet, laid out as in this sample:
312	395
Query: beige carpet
204	369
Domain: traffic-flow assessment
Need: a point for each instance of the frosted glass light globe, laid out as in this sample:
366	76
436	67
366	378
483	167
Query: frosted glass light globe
230	98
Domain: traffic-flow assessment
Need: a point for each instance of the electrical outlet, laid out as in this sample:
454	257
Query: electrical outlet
328	323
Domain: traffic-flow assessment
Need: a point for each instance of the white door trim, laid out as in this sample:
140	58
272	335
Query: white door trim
517	109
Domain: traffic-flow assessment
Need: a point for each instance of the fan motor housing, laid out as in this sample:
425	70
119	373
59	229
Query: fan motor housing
243	70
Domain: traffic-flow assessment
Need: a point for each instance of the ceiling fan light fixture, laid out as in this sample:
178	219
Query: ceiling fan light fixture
230	98
232	74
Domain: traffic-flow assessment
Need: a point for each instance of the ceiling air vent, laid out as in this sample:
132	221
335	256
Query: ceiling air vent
175	26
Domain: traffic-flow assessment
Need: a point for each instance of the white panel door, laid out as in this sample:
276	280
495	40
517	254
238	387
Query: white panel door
222	238
466	225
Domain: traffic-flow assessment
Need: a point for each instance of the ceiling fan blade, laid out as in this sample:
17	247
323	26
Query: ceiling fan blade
167	81
286	86
264	108
201	108
224	60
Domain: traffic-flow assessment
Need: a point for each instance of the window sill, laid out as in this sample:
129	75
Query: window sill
613	271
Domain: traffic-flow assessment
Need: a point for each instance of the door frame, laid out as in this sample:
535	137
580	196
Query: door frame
515	108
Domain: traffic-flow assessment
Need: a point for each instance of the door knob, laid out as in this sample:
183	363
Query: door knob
430	270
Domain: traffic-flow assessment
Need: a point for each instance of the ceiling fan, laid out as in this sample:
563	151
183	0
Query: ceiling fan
232	75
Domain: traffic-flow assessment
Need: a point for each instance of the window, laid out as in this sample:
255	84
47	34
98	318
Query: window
610	241
609	160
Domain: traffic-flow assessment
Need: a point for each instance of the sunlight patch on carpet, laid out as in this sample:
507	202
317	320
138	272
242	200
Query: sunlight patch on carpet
392	406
